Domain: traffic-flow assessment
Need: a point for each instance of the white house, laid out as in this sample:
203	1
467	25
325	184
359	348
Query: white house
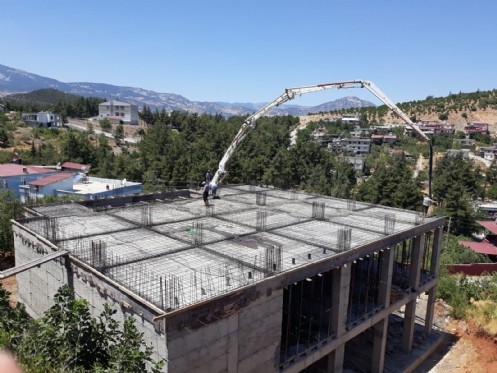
117	110
47	119
351	119
42	119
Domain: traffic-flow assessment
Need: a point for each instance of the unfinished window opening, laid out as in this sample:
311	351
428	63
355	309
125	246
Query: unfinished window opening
426	270
364	288
402	263
306	316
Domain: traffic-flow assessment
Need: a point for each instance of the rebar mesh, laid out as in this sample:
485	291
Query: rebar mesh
261	221
318	210
389	223
344	239
176	254
260	198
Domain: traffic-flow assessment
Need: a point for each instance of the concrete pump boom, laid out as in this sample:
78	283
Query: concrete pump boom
290	93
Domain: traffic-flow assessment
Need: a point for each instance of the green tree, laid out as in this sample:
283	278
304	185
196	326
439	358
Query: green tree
458	205
279	173
119	133
9	209
452	170
68	339
392	185
490	177
4	137
344	180
105	125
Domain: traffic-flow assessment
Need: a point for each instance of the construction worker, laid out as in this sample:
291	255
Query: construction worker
205	192
208	177
214	190
427	202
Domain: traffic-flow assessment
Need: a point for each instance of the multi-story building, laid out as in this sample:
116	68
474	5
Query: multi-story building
435	128
384	139
262	280
356	146
466	142
479	128
359	132
320	134
117	110
351	119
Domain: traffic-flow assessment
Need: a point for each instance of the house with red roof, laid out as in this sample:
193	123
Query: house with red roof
75	167
480	128
488	246
34	182
12	176
47	186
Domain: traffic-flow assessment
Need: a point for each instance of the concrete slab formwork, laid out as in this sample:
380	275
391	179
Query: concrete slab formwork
191	271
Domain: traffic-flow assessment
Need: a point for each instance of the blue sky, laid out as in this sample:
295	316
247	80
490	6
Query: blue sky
250	50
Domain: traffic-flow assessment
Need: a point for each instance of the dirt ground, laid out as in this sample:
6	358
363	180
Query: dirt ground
465	349
10	283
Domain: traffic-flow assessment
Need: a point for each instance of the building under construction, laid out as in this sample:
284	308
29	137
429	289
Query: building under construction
262	280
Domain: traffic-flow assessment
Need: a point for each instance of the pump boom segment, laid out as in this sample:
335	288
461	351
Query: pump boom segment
290	93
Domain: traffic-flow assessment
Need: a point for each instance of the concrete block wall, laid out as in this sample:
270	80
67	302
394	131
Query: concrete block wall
38	286
248	340
259	334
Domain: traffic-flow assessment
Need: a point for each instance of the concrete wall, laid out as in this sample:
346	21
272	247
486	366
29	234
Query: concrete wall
37	287
475	269
246	340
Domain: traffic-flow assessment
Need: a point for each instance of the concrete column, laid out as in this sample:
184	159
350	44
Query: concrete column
435	266
381	328
410	309
69	272
430	309
409	318
417	260
338	318
437	248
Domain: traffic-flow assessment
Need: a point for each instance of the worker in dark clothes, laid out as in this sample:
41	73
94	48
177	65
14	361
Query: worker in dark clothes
208	177
205	192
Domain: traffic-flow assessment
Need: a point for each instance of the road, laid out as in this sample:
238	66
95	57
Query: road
83	127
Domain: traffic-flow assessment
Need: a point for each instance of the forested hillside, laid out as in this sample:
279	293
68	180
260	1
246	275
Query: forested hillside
64	104
177	148
456	108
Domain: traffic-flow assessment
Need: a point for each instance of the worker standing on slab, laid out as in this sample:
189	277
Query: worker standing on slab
205	192
208	177
427	202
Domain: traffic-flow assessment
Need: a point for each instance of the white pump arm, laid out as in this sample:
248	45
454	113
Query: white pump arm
289	94
371	87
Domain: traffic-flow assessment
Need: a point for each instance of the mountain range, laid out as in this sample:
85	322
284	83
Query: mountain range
18	81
